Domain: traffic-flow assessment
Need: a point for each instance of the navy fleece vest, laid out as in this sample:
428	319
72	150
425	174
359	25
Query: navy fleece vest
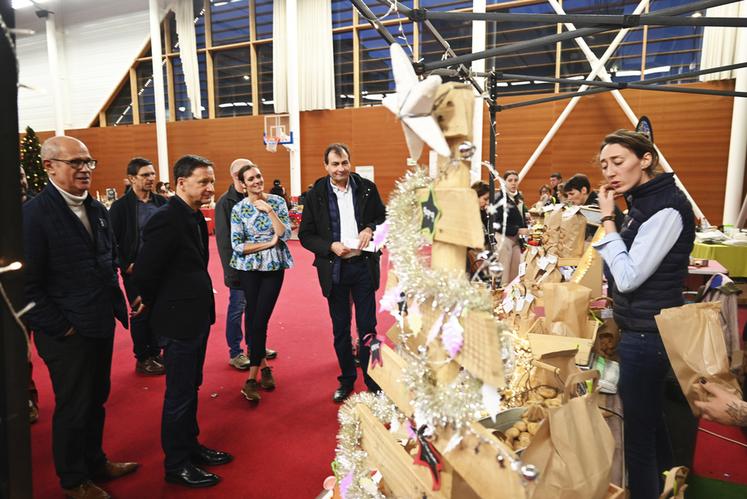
635	311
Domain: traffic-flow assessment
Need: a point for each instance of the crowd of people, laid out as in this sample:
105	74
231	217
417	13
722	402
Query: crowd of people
76	251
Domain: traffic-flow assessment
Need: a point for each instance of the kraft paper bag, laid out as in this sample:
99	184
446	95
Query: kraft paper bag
572	234
573	448
696	349
567	308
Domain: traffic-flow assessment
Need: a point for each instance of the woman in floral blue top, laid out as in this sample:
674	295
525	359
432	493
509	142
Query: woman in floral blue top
260	227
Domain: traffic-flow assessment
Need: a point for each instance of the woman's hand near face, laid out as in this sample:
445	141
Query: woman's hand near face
607	200
262	206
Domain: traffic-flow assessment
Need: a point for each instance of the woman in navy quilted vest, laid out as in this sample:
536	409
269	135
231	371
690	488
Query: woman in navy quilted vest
647	261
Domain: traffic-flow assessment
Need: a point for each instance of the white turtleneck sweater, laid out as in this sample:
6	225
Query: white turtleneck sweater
75	203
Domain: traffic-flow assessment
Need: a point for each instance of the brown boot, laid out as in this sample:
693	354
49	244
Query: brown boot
112	471
266	380
251	390
87	490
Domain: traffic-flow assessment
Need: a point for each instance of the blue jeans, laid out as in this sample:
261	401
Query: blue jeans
643	370
234	334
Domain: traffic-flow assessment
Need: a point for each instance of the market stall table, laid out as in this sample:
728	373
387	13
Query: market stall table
733	257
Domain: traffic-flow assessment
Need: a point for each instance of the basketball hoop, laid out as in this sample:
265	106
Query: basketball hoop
271	143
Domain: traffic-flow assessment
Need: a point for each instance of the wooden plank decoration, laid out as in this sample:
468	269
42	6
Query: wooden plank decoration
460	216
401	475
479	469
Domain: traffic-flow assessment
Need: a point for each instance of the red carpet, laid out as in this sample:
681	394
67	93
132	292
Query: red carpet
282	447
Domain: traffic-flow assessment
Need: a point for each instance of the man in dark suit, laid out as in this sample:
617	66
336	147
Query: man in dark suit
129	215
71	276
171	273
341	212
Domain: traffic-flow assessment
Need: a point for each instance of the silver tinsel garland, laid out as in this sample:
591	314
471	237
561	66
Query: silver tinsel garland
450	289
349	456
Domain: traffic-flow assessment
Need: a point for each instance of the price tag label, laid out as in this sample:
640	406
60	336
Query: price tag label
543	263
529	298
520	304
606	313
522	269
508	305
553	259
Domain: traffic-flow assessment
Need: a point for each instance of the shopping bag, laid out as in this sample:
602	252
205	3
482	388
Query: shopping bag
572	234
566	308
573	448
696	349
608	333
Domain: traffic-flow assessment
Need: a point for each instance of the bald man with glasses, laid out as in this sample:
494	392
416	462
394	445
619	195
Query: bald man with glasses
71	276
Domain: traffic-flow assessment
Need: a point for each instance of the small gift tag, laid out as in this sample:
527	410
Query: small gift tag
543	263
520	304
508	304
606	313
529	298
548	208
534	250
552	259
522	269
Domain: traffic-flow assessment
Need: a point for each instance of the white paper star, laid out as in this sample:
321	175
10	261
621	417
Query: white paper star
413	104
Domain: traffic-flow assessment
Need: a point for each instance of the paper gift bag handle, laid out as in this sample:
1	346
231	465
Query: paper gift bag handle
608	299
576	378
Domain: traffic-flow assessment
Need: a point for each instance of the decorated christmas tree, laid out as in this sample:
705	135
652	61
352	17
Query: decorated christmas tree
31	161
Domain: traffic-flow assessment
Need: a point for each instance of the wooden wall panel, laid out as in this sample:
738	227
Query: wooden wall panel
691	130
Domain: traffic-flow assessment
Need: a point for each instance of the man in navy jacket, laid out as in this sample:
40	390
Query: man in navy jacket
171	272
71	277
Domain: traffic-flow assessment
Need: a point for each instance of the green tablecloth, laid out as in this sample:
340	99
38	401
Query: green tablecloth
734	258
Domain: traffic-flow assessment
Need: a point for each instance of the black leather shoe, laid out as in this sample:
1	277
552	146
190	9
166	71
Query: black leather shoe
210	457
341	393
270	354
191	476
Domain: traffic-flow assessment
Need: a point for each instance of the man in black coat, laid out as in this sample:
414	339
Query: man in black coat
129	215
341	212
236	298
171	272
71	276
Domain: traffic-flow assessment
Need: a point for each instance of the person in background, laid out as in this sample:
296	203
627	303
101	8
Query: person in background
169	192
279	190
236	299
341	209
578	191
171	273
302	197
129	215
483	197
723	407
647	262
161	189
260	227
509	252
71	275
545	198
555	180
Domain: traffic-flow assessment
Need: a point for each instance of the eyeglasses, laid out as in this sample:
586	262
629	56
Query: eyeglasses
78	163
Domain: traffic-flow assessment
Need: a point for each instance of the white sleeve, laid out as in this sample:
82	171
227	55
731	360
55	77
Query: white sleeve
654	239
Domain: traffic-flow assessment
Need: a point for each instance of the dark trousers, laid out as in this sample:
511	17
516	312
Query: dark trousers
80	369
355	287
183	360
33	392
643	370
261	290
144	340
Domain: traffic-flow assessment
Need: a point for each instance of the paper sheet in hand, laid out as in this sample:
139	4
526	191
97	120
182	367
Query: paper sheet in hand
353	244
